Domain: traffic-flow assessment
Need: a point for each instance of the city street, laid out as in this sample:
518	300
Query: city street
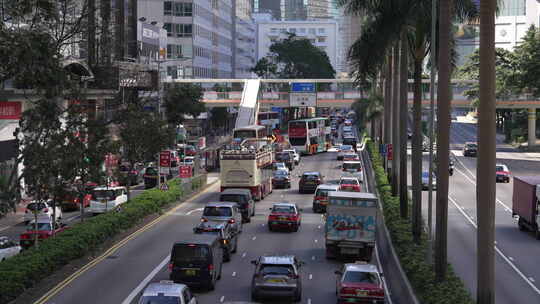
124	274
516	265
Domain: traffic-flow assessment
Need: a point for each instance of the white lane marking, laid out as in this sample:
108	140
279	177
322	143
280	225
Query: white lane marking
313	258
506	259
262	225
310	276
388	294
308	301
316	241
506	208
234	273
319	227
243	255
222	299
194	210
254	238
146	280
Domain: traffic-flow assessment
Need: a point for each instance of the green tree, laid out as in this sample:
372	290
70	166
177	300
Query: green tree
219	116
295	57
181	100
528	62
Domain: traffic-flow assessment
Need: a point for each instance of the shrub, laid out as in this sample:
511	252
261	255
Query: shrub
412	256
31	266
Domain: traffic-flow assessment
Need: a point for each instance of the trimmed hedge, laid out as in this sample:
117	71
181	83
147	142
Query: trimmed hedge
412	256
31	266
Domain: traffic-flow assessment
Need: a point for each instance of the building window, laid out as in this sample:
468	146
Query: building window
513	8
302	30
172	71
168	27
283	30
292	30
167	8
321	30
312	31
183	9
322	39
183	30
273	30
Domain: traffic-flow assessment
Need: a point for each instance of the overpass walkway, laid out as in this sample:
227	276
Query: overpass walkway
249	106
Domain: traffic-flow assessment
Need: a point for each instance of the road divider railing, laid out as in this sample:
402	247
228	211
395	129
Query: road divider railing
412	263
31	266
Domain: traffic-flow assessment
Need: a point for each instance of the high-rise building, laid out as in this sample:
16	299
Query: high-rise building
349	32
243	39
199	35
272	7
293	10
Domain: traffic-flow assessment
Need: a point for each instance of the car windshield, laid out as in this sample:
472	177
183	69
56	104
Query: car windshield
213	231
283	156
183	253
345	147
159	299
348	166
151	171
36	206
40	227
323	192
500	168
217	211
426	175
283	209
471	146
271	269
103	195
281	173
348	181
310	177
361	277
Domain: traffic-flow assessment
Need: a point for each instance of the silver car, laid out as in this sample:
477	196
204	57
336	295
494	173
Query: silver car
277	276
167	292
224	212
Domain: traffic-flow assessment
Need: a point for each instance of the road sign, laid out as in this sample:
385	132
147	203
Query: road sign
390	152
165	159
304	87
382	149
164	187
303	100
185	171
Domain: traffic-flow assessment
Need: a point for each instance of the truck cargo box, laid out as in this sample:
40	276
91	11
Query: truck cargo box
524	201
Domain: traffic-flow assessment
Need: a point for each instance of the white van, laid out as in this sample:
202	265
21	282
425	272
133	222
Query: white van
107	198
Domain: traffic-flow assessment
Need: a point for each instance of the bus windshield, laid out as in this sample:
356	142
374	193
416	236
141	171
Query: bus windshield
245	134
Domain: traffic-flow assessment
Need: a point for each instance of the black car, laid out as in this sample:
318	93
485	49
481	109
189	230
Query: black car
197	261
226	235
287	158
244	200
309	181
281	178
470	149
131	176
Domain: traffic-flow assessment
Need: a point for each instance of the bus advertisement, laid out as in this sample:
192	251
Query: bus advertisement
309	136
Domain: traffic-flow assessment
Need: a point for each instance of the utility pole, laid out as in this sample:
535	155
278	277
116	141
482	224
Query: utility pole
403	111
485	187
444	96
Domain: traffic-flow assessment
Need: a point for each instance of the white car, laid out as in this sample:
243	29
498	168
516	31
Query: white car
296	155
105	199
167	292
8	248
189	161
353	169
344	149
44	210
281	166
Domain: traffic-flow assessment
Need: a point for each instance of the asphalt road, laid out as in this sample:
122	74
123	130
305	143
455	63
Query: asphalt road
516	262
121	277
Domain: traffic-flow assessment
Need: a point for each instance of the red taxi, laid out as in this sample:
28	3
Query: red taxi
284	215
43	228
359	283
349	184
321	197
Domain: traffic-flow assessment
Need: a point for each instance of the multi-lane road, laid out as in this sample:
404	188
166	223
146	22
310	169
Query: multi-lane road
122	275
517	273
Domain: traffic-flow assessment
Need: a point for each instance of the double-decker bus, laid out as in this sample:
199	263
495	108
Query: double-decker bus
253	131
268	119
308	136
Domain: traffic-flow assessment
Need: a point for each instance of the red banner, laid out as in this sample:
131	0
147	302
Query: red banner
390	152
10	109
185	171
165	159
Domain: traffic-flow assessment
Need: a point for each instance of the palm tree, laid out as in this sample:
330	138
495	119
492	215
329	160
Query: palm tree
385	20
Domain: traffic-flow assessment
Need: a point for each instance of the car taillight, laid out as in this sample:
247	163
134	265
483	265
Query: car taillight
272	217
347	290
45	210
204	219
25	237
232	221
170	266
26	211
211	267
376	293
293	218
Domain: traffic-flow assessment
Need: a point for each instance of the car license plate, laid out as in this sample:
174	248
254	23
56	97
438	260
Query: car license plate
191	272
275	281
282	218
361	293
349	250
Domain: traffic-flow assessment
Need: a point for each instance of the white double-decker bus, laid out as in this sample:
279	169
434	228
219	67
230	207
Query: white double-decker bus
268	119
309	136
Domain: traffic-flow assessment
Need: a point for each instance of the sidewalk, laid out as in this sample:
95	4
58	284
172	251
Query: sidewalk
14	218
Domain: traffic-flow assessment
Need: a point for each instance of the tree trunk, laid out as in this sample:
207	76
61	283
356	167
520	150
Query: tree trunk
388	104
403	113
395	122
417	140
485	187
443	136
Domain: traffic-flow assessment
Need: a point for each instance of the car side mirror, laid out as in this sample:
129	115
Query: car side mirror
338	272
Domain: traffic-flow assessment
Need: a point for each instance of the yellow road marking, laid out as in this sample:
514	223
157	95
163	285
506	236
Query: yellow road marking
114	248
